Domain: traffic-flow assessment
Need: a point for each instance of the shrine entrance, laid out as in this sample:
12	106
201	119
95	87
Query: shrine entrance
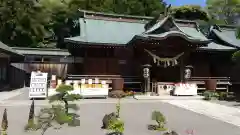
161	74
165	66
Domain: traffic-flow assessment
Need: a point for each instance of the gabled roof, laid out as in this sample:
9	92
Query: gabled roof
41	51
225	34
106	31
111	29
191	34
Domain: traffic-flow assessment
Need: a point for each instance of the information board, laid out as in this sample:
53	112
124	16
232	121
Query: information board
38	85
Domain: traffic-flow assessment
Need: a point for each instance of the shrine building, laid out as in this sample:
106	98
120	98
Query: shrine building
116	47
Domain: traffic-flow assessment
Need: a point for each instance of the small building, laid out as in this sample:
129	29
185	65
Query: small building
50	60
9	76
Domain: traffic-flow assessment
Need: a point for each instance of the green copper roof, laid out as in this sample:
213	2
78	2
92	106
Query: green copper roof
227	35
190	34
165	35
95	31
210	46
217	47
106	32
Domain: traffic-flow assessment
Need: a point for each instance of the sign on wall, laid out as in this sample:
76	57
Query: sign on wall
38	85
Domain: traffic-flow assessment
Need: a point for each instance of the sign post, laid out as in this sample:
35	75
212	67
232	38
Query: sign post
38	85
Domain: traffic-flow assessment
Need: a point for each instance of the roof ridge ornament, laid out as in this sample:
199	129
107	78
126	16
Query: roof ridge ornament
167	11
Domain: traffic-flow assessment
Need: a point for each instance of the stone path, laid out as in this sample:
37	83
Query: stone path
221	112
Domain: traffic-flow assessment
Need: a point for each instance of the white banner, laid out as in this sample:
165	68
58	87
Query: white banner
38	85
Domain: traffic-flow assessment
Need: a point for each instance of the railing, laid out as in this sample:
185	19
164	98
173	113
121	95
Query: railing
127	79
130	82
222	82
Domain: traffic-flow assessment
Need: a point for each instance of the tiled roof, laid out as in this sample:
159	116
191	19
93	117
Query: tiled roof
100	31
210	46
165	35
41	51
217	47
6	49
191	34
227	35
106	32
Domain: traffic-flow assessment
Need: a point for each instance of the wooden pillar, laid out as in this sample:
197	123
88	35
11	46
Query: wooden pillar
182	69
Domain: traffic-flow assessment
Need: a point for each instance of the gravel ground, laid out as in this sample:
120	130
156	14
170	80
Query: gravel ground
136	114
227	103
136	117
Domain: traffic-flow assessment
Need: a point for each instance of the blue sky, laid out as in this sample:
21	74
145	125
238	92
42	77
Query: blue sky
185	2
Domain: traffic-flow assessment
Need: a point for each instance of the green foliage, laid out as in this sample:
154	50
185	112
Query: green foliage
190	12
223	95
171	133
57	113
113	122
116	125
4	125
224	9
210	95
118	108
32	23
64	88
49	116
23	23
64	95
236	56
107	118
160	120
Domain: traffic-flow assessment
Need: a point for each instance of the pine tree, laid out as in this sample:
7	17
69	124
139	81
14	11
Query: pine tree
58	113
4	123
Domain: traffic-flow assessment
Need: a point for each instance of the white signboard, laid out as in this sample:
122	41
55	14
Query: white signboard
38	85
185	89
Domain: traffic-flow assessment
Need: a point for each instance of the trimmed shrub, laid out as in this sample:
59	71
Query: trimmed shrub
171	133
160	120
107	118
4	123
210	95
223	95
117	94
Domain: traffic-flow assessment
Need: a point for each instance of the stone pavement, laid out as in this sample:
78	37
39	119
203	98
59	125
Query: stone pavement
221	112
10	94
